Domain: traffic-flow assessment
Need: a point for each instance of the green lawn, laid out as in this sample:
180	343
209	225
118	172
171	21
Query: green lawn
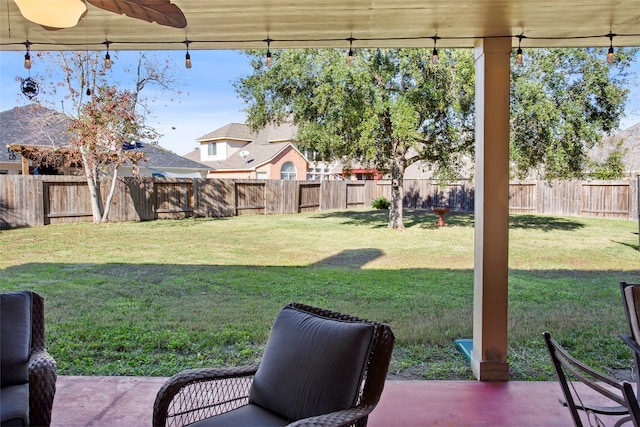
154	298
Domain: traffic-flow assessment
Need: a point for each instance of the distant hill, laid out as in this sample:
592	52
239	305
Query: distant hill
630	140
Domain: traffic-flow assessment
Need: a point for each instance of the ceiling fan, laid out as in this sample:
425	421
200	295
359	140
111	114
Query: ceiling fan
55	15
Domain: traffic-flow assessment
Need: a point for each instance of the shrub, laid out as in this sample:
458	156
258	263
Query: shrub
380	203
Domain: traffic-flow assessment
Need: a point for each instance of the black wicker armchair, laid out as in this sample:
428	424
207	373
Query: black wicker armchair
28	372
319	368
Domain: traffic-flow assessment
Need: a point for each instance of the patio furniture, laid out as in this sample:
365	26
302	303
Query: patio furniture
319	368
571	372
631	303
27	371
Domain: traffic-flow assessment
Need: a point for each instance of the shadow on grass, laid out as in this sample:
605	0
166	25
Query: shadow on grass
351	258
429	219
544	223
630	245
411	218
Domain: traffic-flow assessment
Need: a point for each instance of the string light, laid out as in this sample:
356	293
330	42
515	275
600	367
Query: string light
350	54
27	56
187	57
107	57
610	54
519	51
435	38
269	60
435	59
253	42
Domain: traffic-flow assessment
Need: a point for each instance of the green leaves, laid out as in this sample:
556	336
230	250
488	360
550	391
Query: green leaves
389	103
562	102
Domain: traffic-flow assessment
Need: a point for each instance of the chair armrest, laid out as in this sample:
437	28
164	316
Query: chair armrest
356	415
631	343
197	394
42	387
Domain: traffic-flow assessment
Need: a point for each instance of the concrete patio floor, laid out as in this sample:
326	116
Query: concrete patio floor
128	401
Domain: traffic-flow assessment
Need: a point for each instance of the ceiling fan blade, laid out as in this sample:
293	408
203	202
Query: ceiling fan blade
52	14
162	12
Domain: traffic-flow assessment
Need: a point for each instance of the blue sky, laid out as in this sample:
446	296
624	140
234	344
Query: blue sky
208	100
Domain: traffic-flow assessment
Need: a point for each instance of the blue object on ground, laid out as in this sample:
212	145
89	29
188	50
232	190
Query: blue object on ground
465	345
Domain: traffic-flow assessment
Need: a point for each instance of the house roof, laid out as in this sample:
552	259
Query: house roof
33	125
261	147
159	157
239	131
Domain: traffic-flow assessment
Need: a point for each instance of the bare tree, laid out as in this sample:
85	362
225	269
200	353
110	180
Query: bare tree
106	120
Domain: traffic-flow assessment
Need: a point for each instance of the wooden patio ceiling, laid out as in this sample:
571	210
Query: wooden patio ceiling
242	24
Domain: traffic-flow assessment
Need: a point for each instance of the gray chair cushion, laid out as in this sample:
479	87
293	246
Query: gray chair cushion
15	331
248	415
14	405
311	365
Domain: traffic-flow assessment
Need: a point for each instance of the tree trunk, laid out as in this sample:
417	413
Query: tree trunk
112	190
397	193
93	182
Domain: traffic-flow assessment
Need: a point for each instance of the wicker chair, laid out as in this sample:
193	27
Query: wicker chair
570	370
28	372
631	303
319	368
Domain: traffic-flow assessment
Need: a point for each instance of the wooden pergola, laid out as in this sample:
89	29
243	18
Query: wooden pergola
492	27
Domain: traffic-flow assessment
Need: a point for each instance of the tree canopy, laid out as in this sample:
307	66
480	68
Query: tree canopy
562	103
393	107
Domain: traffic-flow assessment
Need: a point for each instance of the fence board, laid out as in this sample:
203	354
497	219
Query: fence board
135	202
333	195
215	197
38	200
174	198
606	199
21	201
309	197
355	194
281	197
250	197
66	202
522	197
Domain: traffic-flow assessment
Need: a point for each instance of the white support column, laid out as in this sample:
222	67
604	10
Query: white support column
489	356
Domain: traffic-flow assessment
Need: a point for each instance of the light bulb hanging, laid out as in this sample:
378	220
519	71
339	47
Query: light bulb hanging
107	57
610	53
350	54
187	57
435	59
269	60
27	56
519	51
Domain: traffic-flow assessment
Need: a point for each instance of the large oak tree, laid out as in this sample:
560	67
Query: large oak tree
389	109
393	107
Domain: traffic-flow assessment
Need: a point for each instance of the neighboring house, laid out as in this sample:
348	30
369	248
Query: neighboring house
34	127
31	125
160	162
233	151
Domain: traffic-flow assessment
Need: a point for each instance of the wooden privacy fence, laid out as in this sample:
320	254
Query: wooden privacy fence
41	200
